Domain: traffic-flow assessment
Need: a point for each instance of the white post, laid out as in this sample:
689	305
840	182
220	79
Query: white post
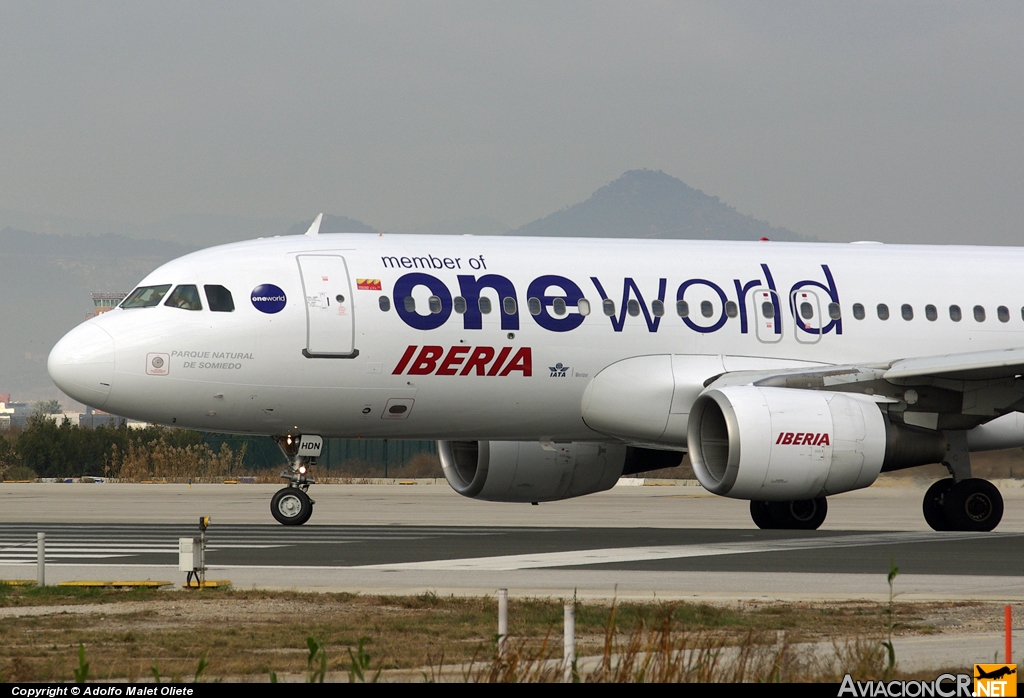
569	640
502	621
41	559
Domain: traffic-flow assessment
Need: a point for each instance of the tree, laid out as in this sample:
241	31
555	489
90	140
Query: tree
44	407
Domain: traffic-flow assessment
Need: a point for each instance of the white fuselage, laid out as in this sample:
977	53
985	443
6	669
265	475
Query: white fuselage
308	362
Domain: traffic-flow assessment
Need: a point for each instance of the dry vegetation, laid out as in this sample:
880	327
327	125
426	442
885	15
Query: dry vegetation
164	461
246	635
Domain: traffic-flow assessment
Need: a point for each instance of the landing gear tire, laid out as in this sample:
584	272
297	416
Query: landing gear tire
973	505
934	504
799	514
761	515
291	506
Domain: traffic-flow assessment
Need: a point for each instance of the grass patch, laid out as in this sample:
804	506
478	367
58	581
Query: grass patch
237	633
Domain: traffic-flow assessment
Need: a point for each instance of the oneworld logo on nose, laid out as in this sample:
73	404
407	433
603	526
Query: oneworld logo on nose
268	298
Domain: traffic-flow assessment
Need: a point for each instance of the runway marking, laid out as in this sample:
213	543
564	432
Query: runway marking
575	558
111	541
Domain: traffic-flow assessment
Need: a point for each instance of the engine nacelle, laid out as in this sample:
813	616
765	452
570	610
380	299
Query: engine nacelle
528	471
776	444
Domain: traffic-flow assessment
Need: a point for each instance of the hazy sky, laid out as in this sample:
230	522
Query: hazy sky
896	121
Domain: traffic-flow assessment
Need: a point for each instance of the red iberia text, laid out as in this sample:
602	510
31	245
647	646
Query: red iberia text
465	361
789	438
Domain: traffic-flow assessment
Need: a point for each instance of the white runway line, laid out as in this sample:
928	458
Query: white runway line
667	552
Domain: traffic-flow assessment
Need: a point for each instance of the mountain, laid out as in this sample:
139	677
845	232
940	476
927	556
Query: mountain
476	225
332	224
649	204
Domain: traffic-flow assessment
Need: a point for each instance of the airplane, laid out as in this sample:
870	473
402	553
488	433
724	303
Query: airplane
995	673
549	368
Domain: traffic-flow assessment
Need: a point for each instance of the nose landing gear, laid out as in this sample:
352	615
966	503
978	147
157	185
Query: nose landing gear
292	505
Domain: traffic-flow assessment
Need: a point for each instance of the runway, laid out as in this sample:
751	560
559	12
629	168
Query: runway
401	539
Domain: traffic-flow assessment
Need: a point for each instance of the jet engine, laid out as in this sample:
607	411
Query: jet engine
531	471
779	444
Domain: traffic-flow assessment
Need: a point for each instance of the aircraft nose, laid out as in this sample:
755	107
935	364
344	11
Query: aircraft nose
82	364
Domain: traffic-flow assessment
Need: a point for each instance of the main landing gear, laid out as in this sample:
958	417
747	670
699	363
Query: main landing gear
962	502
799	514
972	504
292	505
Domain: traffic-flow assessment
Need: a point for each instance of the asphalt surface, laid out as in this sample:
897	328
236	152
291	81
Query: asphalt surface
631	541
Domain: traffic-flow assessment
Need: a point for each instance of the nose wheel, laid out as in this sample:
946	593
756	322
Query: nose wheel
291	506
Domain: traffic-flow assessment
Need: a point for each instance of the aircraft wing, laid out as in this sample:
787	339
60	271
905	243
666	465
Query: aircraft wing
980	365
946	392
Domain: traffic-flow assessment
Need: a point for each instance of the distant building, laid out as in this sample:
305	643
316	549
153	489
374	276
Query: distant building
14	414
97	418
6	413
103	301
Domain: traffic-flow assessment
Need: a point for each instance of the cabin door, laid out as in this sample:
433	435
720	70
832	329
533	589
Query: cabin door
330	325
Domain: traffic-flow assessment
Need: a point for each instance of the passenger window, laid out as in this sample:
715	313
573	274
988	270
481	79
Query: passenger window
858	311
954	313
485	305
148	296
583	305
731	310
683	309
931	313
706	309
385	303
883	311
185	297
833	311
767	309
608	306
907	311
1004	313
806	311
534	305
509	305
410	304
558	306
459	304
219	299
979	313
633	307
658	308
434	305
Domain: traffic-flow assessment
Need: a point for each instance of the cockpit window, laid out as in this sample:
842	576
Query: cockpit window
185	296
145	296
219	299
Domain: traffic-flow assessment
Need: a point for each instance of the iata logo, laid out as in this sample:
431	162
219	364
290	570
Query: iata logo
465	361
268	298
789	438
